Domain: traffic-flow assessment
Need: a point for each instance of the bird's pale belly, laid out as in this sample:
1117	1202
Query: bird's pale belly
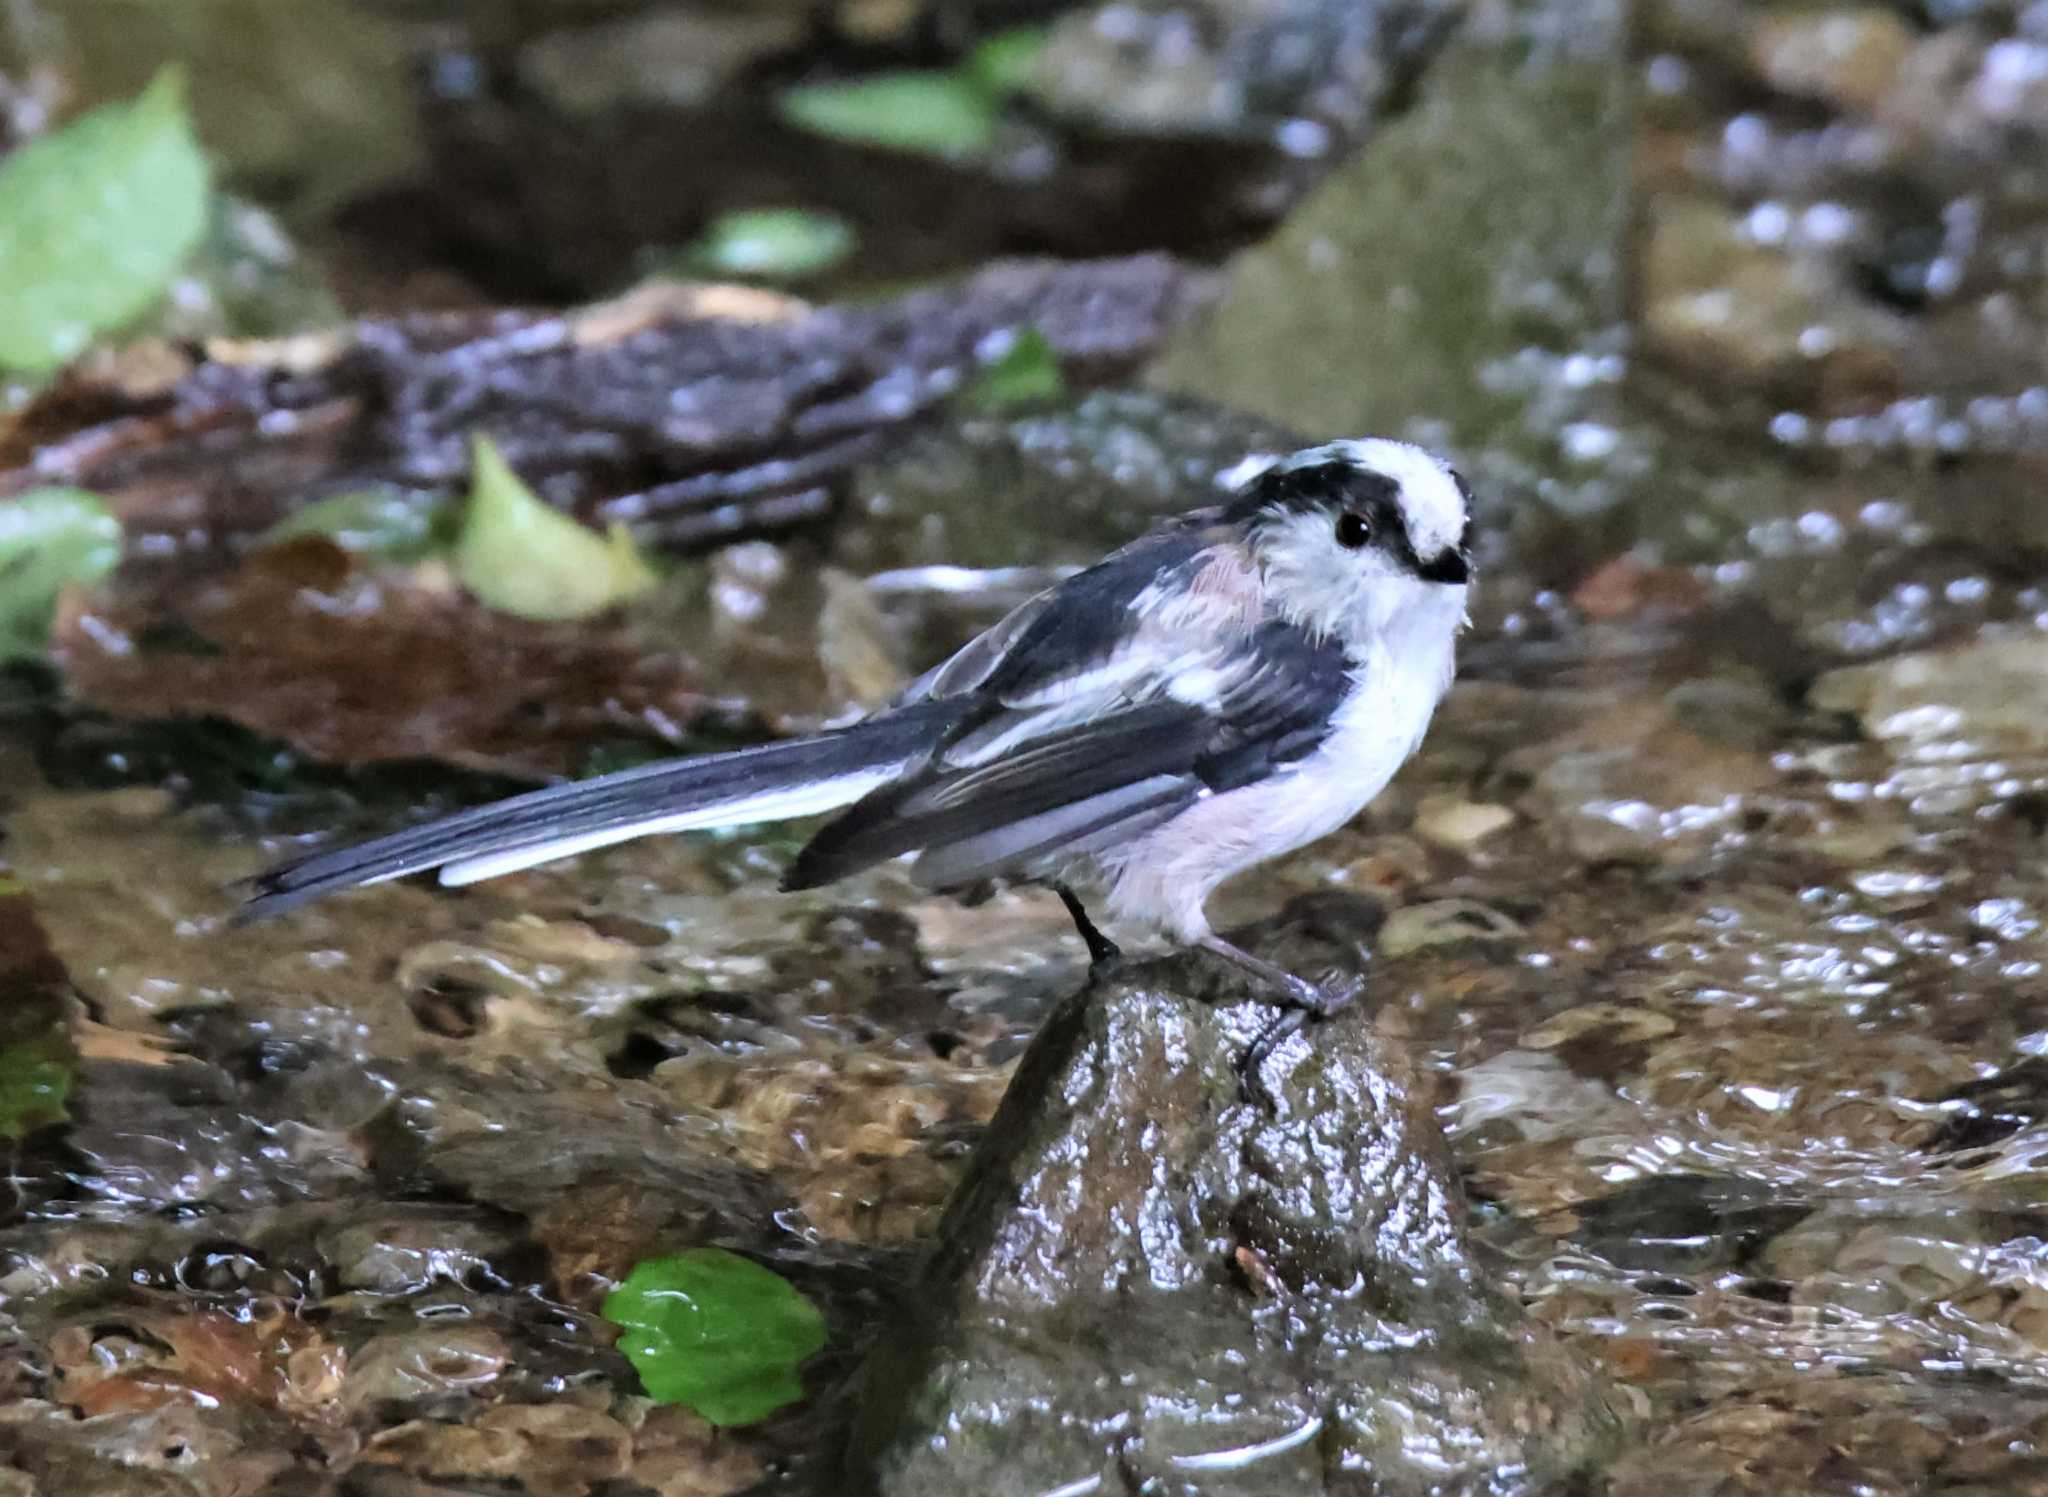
1165	877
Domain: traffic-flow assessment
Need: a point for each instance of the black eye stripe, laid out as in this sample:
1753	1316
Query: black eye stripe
1339	491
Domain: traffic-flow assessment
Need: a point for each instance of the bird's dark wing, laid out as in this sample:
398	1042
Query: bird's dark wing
1099	709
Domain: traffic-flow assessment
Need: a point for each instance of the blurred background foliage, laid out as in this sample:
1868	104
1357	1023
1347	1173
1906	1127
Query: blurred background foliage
438	152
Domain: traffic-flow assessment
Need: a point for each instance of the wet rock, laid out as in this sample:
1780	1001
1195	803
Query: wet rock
696	415
1991	692
1442	282
1632	783
426	1364
1685	1223
1309	73
553	1450
401	1250
1053	488
663	59
312	102
1146	1281
1961	728
186	1135
1718	302
1628	587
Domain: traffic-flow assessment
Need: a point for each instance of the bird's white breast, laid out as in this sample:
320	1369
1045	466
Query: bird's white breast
1165	877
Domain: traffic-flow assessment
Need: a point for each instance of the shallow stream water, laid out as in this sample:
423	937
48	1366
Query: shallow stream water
1715	905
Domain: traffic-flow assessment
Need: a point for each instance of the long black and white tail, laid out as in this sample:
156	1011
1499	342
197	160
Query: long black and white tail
775	782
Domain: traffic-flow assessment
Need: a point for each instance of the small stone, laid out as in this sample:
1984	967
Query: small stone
1537	1095
1993	690
2031	1324
425	1364
1459	825
1849	58
679	1454
1630	784
1633	1024
1389	867
855	644
567	942
552	1450
1443	922
663	59
877	22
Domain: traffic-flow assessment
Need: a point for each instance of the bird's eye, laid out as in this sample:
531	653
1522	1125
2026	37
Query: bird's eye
1353	530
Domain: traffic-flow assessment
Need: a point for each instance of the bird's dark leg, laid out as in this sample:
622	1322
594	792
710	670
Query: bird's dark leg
1303	1000
1101	950
1284	985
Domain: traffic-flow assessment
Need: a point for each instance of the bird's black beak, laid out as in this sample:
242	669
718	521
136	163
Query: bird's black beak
1449	565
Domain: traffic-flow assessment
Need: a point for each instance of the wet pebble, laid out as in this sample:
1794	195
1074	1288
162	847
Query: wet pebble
425	1364
1459	825
552	1450
1846	56
1443	922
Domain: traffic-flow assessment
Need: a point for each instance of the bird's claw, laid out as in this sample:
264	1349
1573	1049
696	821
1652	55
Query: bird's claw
1305	1001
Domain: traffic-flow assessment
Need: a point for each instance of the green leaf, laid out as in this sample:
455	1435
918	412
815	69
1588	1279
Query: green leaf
716	1332
1003	63
1027	373
521	557
48	537
94	221
937	114
783	244
35	1080
377	522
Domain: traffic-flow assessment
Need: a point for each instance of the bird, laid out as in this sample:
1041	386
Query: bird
1237	682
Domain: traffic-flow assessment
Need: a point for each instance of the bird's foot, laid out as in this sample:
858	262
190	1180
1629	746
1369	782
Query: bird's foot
1303	1001
1102	952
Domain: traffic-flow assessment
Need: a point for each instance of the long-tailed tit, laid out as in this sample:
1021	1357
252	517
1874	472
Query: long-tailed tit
1234	684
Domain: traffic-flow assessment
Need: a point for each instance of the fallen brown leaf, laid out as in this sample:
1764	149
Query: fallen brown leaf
1629	585
359	665
98	1042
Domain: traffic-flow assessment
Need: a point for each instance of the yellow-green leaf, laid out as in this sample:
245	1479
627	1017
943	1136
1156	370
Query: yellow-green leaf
1003	63
938	114
48	537
780	244
520	556
94	221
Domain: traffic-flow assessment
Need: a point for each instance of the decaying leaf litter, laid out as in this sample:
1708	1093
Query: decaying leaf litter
1710	914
